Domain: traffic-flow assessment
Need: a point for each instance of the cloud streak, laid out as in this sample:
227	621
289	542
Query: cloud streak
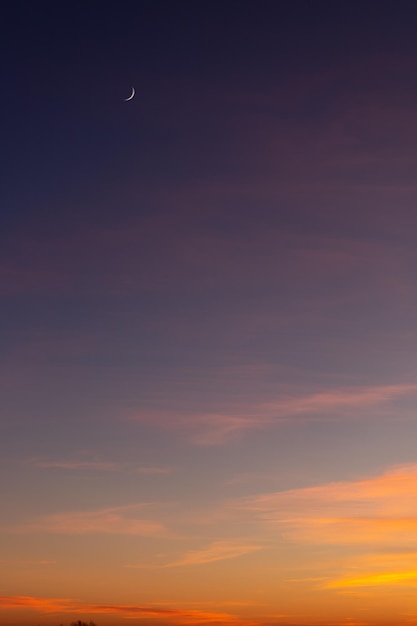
377	569
340	402
68	605
101	466
122	520
79	465
375	580
213	429
217	551
380	510
154	470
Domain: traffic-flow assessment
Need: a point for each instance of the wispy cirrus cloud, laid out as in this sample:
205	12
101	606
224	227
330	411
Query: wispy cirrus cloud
100	466
375	580
122	520
27	563
376	569
68	605
217	429
79	465
154	470
376	517
340	401
215	551
381	510
209	429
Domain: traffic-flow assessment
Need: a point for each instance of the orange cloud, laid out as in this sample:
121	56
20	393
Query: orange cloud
44	605
371	580
114	521
217	551
377	510
66	605
377	569
384	561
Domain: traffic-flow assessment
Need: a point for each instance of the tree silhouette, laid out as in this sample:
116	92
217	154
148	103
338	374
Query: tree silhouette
80	623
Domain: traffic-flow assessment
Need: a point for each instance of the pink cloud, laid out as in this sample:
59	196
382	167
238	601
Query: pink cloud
340	401
79	465
219	428
154	470
105	466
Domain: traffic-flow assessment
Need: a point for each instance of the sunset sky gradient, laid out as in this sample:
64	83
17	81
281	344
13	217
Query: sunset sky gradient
209	314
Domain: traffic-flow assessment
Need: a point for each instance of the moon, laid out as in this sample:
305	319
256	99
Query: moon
131	95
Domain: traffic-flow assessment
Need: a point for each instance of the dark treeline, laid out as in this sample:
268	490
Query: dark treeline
80	623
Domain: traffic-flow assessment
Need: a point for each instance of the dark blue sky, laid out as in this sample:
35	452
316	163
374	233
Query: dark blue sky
208	312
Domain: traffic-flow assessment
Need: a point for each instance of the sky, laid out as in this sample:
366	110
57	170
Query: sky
208	364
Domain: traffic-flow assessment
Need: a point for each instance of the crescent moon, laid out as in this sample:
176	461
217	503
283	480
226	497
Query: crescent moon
131	95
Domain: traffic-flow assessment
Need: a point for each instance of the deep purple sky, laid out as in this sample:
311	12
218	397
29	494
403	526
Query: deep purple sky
208	312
